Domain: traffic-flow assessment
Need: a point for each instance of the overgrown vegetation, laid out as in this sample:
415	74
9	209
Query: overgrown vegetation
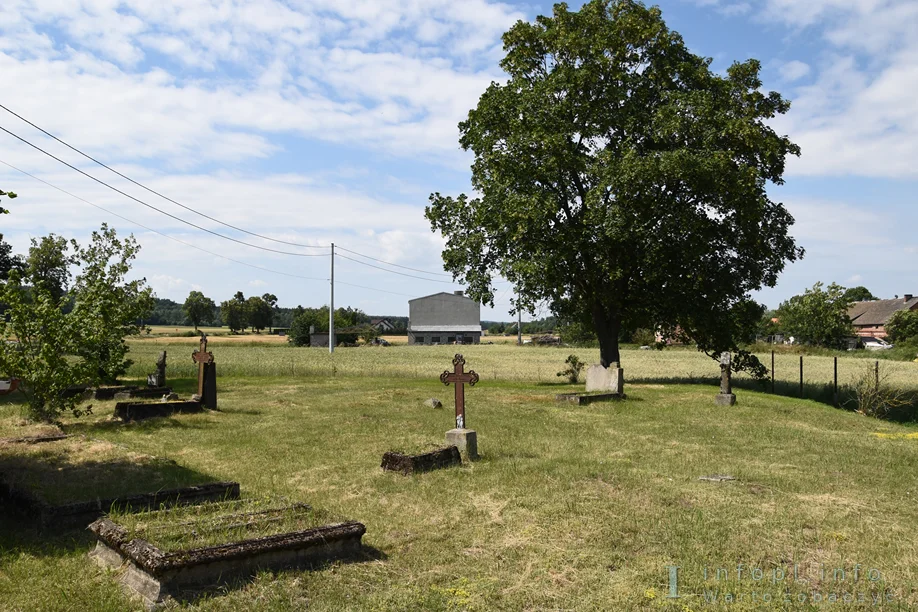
875	396
573	369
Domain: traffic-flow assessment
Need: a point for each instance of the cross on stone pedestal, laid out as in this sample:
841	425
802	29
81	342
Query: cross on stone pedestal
459	377
201	357
726	396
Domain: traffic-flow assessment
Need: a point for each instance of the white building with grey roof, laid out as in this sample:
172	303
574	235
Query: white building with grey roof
444	318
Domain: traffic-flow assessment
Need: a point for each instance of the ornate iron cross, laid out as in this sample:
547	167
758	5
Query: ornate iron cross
459	376
200	357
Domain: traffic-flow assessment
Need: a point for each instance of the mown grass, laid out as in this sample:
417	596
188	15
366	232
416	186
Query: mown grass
574	508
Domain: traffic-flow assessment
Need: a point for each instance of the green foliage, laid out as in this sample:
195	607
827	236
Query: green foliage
345	318
573	369
577	334
644	337
622	181
8	261
903	326
198	308
260	314
859	294
8	194
368	333
85	346
234	313
109	306
819	316
48	264
874	396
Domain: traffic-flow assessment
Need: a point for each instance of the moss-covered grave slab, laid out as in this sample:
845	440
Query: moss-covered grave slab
69	483
407	464
172	554
137	411
582	399
143	393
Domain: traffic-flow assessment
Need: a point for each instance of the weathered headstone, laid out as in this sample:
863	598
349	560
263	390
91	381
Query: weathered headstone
158	378
610	380
466	440
433	403
726	396
207	375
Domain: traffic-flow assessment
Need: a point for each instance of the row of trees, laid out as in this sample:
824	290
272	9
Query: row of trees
59	330
351	322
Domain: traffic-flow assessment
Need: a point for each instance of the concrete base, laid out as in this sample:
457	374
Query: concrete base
724	399
466	440
611	380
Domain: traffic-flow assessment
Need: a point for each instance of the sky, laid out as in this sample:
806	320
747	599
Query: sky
320	121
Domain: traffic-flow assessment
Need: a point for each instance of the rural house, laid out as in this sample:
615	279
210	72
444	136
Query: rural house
444	318
870	318
383	325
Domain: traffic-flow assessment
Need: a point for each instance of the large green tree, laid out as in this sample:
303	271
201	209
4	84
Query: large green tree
198	308
903	326
818	316
234	313
621	180
48	264
259	313
859	294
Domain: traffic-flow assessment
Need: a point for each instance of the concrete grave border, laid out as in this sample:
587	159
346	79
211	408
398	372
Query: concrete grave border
157	576
582	399
137	411
434	460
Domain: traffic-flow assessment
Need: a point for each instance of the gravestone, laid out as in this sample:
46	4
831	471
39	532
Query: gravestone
609	380
207	375
158	378
726	396
466	440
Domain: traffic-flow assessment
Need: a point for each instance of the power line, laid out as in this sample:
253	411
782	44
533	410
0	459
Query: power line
430	280
150	229
153	191
389	263
127	195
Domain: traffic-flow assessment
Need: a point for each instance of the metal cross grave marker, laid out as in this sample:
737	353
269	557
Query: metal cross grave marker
459	376
200	357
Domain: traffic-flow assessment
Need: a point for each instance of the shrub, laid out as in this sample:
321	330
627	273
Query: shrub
874	396
644	337
573	370
903	326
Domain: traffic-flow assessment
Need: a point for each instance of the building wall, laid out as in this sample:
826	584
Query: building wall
445	310
443	337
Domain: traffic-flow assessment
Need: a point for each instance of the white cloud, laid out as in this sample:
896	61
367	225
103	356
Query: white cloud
794	70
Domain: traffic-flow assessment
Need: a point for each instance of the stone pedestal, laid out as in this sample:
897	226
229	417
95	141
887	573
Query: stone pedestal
466	440
611	380
724	399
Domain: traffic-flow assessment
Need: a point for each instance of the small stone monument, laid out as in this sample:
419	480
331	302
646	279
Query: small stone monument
609	380
158	378
207	375
726	396
466	440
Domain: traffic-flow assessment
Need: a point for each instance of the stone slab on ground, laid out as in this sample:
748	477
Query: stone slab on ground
466	440
107	393
158	576
137	411
725	399
581	399
81	514
35	439
599	378
146	392
424	462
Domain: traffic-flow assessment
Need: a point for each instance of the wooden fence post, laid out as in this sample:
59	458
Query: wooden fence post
801	375
772	371
876	372
835	384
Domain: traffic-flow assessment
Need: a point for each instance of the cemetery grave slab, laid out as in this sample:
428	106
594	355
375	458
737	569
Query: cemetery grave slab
147	392
582	399
407	464
70	482
107	393
137	411
168	554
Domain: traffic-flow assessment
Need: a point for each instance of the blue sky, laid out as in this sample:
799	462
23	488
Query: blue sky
332	120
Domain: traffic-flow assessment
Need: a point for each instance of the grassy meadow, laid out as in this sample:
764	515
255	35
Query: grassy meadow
569	508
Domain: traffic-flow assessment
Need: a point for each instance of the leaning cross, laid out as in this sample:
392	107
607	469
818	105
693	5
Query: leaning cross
725	361
200	357
459	377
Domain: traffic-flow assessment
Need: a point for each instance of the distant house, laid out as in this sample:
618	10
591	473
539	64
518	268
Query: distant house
383	325
444	318
870	318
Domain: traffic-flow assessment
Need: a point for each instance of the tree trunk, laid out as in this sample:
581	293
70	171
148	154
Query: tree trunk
607	329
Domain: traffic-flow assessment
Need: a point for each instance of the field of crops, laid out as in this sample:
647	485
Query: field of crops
492	362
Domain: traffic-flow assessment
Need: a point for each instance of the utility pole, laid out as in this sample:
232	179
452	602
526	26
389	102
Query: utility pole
331	305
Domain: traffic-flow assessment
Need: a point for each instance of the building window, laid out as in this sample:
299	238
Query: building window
435	340
451	339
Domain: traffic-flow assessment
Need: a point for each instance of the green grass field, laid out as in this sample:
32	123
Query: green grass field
570	508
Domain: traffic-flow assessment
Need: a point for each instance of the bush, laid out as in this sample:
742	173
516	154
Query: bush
903	326
573	370
874	396
644	337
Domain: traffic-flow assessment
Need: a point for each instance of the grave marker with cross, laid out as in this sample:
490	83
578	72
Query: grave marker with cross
207	387
726	397
459	377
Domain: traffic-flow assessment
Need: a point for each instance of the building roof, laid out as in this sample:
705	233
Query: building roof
453	295
878	312
445	328
378	321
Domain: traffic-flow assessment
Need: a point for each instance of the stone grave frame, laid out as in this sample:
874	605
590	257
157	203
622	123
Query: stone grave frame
424	462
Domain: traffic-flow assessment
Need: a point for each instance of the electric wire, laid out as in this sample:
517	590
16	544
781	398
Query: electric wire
429	280
150	206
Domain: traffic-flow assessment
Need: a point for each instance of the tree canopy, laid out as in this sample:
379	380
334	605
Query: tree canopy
8	194
234	313
48	264
819	316
859	294
903	326
198	308
621	180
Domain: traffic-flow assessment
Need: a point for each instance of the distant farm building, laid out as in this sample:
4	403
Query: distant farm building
383	325
870	318
444	318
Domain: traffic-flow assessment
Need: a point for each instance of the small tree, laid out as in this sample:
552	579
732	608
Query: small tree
259	313
903	326
233	312
573	370
819	316
198	308
368	333
48	264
